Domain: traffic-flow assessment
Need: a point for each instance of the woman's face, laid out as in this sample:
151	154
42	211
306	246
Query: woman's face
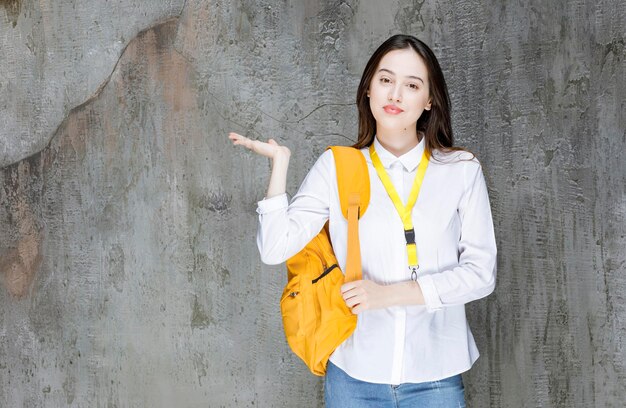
401	79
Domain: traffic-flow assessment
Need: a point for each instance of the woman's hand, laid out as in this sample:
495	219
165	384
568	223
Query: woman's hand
270	149
279	156
365	294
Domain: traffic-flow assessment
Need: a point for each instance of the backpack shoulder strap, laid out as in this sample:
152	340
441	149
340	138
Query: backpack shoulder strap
353	183
352	177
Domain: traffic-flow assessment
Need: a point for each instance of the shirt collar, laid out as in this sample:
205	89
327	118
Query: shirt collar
409	160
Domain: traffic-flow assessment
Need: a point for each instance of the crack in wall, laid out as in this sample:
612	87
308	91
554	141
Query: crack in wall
98	91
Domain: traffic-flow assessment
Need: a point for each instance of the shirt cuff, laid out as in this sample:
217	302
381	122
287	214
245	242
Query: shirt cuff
272	204
429	291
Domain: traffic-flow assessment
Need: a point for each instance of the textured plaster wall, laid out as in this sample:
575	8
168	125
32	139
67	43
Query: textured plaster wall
128	267
57	55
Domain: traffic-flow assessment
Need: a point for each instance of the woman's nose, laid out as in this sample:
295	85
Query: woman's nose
395	94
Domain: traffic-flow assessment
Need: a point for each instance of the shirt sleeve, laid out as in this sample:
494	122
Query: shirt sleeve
285	228
475	275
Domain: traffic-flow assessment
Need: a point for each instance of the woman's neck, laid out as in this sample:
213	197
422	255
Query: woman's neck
398	144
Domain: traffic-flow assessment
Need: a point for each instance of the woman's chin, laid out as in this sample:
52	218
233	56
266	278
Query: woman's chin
393	125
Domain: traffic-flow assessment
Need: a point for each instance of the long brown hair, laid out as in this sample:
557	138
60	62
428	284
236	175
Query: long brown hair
435	123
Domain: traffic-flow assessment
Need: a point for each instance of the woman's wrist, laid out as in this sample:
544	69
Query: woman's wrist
278	177
405	294
281	157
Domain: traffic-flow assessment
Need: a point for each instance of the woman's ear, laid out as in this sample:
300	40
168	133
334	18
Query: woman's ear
428	105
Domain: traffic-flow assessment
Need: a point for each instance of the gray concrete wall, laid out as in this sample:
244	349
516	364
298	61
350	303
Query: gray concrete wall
128	264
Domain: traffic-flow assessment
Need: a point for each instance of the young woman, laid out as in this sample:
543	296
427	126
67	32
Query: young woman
412	339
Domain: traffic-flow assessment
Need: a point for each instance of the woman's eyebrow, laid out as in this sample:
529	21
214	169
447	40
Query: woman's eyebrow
409	76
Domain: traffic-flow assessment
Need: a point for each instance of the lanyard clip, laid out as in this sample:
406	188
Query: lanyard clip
409	235
414	272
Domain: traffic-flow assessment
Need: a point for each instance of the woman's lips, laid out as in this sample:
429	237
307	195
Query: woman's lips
392	110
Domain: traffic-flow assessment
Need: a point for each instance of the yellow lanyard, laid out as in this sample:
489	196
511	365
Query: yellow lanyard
404	212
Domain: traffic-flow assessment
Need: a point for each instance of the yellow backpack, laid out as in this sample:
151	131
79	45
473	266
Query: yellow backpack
315	317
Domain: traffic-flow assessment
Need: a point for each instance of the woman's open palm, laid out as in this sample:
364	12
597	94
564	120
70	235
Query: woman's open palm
270	149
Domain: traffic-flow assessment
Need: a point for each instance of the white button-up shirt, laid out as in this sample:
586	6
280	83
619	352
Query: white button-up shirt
456	250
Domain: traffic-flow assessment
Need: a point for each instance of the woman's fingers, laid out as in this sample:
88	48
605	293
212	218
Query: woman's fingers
353	302
352	297
264	149
269	149
239	139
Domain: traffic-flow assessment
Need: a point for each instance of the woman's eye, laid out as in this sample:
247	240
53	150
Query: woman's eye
384	80
414	86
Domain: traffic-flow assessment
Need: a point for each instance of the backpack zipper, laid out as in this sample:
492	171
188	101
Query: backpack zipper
326	272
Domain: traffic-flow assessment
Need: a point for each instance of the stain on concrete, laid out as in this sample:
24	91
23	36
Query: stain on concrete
214	201
115	267
200	318
21	259
46	57
19	266
201	364
12	9
69	388
209	269
409	19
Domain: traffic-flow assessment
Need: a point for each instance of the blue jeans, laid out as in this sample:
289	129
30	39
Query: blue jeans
343	391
